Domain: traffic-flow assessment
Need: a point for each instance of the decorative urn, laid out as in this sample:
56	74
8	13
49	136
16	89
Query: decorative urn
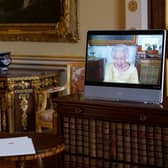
5	60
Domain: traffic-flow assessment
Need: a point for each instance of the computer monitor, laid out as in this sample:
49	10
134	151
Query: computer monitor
125	65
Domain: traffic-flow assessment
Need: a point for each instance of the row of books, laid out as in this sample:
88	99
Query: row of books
73	161
116	141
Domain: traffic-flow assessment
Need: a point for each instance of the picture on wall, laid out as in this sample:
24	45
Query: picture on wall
30	11
39	20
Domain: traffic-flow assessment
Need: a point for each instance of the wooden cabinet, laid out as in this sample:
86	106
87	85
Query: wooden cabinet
106	134
17	99
95	69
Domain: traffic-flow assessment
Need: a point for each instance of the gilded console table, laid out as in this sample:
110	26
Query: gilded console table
17	100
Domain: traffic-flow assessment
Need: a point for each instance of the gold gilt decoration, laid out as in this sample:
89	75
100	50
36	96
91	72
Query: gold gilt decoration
11	85
45	82
36	84
23	84
1	85
10	97
4	110
132	5
24	107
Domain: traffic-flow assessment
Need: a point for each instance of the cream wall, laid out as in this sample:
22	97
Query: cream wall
93	14
137	19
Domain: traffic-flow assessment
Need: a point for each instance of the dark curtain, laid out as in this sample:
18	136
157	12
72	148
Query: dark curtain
156	14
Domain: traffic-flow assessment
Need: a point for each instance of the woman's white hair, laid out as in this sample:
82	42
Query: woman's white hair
120	47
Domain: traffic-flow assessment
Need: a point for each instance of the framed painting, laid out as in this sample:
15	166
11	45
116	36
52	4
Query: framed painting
39	20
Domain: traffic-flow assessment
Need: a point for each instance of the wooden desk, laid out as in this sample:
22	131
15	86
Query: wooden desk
17	100
111	134
46	145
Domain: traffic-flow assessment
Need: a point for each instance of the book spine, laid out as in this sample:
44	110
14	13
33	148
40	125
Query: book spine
73	161
66	161
120	145
120	165
86	161
106	163
165	146
158	146
93	162
66	133
86	137
150	145
142	144
113	134
79	160
99	138
72	135
106	140
134	143
127	143
92	125
79	137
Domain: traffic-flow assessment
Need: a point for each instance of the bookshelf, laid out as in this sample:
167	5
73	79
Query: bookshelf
148	69
104	134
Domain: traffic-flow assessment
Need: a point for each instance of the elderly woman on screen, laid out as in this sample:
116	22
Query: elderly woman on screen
120	70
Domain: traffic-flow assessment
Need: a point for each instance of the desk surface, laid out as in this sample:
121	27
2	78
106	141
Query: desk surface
46	144
80	99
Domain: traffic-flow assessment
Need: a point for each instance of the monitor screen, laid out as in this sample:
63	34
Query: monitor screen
123	63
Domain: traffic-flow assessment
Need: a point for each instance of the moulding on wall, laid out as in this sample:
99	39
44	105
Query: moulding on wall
49	62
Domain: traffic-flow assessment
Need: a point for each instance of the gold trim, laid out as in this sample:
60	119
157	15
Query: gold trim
132	5
47	58
22	88
43	61
24	106
3	113
24	91
131	41
23	84
10	109
12	79
70	67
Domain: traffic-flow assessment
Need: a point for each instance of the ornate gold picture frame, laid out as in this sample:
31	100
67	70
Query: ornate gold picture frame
62	29
129	39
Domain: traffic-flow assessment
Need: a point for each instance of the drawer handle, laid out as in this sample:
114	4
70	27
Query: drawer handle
78	110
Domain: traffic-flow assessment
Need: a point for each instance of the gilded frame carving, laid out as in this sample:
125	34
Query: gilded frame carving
129	40
65	30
